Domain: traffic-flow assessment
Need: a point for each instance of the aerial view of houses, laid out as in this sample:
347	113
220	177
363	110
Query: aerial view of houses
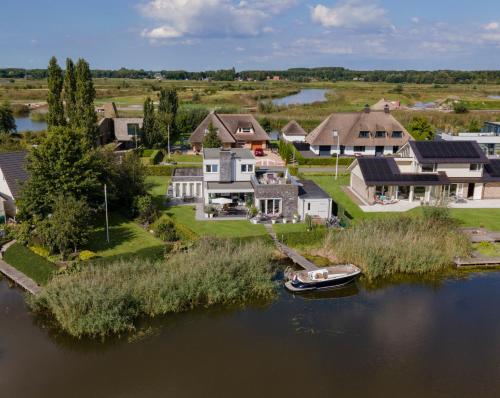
193	193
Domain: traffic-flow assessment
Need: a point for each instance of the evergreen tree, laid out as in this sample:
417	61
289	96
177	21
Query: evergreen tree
55	115
148	127
420	128
211	139
85	116
7	121
167	111
63	164
70	91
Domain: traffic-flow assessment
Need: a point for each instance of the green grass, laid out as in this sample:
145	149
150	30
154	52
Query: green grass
186	158
225	229
487	218
127	239
36	267
488	249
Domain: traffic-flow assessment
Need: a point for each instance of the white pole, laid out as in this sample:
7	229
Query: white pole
106	207
168	144
336	134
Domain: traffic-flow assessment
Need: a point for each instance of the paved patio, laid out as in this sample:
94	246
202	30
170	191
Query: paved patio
200	215
477	204
395	207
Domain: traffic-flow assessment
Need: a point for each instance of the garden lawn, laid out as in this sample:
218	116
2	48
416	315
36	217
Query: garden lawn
157	187
487	218
225	229
183	158
127	239
36	267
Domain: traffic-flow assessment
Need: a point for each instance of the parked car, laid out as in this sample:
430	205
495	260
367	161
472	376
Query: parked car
258	152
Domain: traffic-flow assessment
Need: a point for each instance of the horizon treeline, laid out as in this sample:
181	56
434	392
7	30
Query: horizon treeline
293	74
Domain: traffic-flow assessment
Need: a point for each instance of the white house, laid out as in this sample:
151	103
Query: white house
12	174
293	132
428	172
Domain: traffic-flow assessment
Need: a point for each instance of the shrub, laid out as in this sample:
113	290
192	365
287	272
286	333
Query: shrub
86	255
164	228
41	251
156	157
99	301
460	107
145	208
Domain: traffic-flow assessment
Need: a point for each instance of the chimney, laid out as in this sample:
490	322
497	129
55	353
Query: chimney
367	108
386	108
225	167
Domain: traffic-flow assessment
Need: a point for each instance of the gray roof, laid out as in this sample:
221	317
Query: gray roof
13	166
430	152
310	190
121	123
240	153
188	174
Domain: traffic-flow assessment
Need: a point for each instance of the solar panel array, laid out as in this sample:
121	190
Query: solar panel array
493	168
447	149
380	170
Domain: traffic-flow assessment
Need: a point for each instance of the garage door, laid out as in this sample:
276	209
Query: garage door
256	144
324	150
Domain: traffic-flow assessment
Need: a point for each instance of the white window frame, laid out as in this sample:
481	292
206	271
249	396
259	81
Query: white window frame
245	168
211	166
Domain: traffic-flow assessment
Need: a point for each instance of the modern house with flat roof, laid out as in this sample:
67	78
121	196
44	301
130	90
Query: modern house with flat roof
427	172
488	138
12	174
234	130
358	133
230	176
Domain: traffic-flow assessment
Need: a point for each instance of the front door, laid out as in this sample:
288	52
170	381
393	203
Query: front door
470	191
379	150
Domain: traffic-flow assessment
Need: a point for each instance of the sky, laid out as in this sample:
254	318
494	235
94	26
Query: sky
199	35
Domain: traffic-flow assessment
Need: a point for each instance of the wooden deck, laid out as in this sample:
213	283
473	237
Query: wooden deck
289	252
19	278
478	262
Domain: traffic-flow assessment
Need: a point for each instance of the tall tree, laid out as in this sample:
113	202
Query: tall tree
70	91
167	111
420	128
148	127
55	115
7	121
211	139
85	115
63	164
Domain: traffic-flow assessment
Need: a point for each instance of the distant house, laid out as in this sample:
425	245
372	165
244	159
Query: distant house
488	139
12	174
293	132
360	133
234	130
428	172
231	175
125	131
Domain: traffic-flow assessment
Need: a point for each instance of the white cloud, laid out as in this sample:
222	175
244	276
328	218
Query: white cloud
350	14
210	18
492	26
415	19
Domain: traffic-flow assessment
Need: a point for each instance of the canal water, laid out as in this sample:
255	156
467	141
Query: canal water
305	96
408	340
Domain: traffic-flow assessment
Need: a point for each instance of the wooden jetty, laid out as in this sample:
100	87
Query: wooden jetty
290	253
478	235
478	262
16	276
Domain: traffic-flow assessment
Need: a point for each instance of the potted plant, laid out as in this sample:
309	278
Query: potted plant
295	218
209	211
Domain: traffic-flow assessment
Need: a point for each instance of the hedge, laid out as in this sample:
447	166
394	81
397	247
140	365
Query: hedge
324	161
161	170
306	238
156	157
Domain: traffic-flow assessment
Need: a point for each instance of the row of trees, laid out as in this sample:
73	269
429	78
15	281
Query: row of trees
159	128
295	74
71	97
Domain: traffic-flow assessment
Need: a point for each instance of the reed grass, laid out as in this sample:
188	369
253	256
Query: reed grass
405	244
100	300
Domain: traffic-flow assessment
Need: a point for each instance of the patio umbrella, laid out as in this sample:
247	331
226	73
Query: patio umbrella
222	201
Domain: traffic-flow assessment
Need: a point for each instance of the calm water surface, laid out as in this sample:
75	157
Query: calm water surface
305	96
408	340
26	124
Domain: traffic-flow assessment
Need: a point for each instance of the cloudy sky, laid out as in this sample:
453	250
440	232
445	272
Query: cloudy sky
253	34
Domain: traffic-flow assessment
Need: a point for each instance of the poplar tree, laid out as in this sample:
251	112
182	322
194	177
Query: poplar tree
55	115
70	91
85	115
167	111
148	127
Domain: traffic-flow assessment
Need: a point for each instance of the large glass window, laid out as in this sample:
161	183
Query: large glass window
247	168
270	206
475	167
133	129
429	168
359	149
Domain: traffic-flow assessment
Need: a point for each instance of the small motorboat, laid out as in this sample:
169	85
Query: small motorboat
322	279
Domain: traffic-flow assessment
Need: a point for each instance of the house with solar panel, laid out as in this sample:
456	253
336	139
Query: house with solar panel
429	172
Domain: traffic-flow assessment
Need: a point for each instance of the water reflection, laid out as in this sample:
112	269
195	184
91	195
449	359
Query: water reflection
305	96
429	340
